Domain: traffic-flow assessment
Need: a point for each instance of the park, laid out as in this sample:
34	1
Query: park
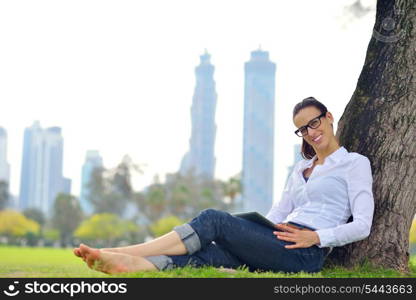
379	122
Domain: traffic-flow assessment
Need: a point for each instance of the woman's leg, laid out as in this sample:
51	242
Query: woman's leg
111	262
253	244
168	244
211	255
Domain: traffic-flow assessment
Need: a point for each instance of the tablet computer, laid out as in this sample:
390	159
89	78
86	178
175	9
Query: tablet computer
256	217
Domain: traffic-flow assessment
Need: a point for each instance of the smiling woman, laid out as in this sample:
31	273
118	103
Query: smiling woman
314	113
310	218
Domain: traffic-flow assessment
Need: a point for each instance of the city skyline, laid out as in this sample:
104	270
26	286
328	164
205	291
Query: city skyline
203	134
113	86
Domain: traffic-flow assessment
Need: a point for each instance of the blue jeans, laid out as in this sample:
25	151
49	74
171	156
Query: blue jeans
216	238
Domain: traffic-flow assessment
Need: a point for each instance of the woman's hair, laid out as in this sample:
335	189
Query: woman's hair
307	150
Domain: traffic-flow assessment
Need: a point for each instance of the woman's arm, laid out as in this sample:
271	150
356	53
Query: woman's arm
360	196
284	207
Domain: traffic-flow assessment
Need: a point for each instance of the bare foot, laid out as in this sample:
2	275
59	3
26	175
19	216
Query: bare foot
110	263
77	252
89	254
130	250
122	250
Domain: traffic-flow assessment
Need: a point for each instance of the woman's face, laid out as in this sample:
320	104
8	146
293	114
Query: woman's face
320	137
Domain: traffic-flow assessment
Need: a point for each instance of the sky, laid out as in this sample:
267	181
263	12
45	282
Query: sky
118	76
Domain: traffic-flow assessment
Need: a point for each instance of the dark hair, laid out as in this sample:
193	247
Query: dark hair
307	150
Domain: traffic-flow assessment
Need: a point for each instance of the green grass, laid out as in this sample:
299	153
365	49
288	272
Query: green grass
48	262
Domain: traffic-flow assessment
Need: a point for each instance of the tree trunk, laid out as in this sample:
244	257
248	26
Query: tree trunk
379	122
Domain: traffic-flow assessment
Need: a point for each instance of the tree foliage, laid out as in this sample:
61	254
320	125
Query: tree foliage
413	232
66	217
4	194
111	189
232	188
185	196
51	234
105	227
15	224
36	215
165	225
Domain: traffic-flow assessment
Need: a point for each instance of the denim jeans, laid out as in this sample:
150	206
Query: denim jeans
216	238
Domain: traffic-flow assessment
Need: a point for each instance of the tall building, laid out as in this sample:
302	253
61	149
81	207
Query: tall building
42	163
200	158
258	143
297	156
93	160
4	165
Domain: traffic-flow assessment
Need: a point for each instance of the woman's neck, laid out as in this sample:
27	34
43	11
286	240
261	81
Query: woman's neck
323	153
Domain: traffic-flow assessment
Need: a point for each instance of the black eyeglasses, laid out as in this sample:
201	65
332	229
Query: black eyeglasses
314	123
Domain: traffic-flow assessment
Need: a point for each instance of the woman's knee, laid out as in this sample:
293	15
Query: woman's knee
214	216
211	213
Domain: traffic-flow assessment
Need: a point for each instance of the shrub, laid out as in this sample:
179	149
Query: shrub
165	225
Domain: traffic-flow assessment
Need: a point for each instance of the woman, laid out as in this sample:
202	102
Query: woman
323	191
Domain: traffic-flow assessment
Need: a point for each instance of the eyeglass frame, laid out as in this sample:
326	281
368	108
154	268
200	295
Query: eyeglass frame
307	125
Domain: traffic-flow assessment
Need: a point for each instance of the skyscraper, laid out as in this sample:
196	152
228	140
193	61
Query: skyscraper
42	163
258	143
93	160
200	158
296	157
4	165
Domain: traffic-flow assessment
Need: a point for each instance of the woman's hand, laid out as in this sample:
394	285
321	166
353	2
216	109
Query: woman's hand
301	238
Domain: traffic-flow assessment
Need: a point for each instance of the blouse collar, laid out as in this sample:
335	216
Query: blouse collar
335	156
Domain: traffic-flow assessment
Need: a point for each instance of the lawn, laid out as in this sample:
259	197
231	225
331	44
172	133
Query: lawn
49	262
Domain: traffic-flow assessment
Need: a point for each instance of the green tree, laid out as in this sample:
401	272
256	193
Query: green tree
36	215
152	202
110	190
184	196
66	216
412	235
187	195
15	225
165	225
232	188
4	194
50	236
105	229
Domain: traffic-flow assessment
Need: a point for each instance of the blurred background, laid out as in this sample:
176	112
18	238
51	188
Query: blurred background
122	119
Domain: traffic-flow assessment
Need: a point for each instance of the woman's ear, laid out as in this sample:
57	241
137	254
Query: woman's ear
330	117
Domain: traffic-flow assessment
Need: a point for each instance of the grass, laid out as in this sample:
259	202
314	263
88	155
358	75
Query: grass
49	262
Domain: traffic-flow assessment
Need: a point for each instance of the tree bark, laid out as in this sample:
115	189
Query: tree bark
379	122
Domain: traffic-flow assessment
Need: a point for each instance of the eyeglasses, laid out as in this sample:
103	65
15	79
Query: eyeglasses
314	123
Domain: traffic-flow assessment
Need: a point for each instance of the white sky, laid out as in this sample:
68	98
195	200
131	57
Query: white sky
118	76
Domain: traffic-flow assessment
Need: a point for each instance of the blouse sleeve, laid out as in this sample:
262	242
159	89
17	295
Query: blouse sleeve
284	207
360	196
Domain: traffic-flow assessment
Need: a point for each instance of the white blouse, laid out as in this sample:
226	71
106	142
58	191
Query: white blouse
339	188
